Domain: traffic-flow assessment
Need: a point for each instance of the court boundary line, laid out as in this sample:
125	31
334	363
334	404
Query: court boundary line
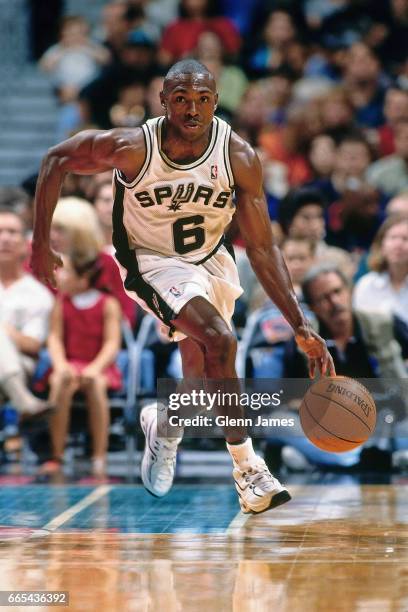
237	523
70	512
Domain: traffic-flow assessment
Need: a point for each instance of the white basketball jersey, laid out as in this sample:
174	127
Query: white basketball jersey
179	210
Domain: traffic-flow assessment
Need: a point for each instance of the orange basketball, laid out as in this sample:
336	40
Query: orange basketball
337	414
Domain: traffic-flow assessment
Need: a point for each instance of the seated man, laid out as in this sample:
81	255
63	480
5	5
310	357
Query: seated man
362	345
25	307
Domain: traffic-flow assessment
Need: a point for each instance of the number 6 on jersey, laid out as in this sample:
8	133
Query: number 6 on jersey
188	238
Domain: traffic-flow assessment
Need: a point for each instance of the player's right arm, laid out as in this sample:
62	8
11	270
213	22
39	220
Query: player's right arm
266	258
88	152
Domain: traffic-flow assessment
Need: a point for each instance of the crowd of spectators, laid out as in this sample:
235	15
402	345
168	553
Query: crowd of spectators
319	88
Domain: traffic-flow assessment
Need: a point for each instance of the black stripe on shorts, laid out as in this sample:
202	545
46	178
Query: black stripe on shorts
134	280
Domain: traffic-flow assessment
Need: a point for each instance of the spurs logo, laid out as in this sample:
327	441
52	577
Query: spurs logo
183	194
175	207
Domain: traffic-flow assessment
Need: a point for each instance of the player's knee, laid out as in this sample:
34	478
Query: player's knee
220	345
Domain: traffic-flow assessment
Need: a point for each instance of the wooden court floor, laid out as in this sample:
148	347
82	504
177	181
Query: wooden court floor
334	547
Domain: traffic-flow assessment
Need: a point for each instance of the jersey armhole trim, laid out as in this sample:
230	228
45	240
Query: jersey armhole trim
227	161
148	157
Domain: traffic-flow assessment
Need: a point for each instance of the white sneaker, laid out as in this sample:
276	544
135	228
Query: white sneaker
159	457
257	489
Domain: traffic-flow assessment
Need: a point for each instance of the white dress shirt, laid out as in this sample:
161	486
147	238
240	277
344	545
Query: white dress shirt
26	305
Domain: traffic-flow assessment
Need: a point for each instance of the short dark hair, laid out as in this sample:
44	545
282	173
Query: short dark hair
13	198
99	188
294	201
211	9
6	210
29	184
309	243
316	271
356	137
186	66
69	20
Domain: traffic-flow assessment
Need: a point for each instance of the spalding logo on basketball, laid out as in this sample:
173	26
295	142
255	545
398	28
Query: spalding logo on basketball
337	414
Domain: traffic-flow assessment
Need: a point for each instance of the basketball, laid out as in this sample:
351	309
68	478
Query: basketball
337	414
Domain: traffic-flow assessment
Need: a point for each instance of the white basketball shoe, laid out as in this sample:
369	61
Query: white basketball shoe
257	489
159	457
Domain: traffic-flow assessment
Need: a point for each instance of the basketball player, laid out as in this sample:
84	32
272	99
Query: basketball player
174	178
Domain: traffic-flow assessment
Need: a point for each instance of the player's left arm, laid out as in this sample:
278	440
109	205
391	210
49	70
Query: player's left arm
266	257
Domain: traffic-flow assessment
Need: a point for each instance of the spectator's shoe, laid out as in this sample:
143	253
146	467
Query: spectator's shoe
375	459
295	460
159	457
400	459
39	409
257	489
51	472
50	467
98	469
25	402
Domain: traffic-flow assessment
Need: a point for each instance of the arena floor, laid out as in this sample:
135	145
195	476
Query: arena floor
339	546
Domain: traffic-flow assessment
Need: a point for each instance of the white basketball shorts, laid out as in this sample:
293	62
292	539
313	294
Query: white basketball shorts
163	285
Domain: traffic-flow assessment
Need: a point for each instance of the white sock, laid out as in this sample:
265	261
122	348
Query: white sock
242	454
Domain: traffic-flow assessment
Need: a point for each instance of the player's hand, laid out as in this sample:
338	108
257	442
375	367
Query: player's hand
43	263
316	350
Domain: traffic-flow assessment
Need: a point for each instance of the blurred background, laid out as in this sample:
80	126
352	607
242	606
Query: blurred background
320	89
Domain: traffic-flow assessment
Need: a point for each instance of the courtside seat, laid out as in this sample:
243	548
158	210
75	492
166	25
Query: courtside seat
154	356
